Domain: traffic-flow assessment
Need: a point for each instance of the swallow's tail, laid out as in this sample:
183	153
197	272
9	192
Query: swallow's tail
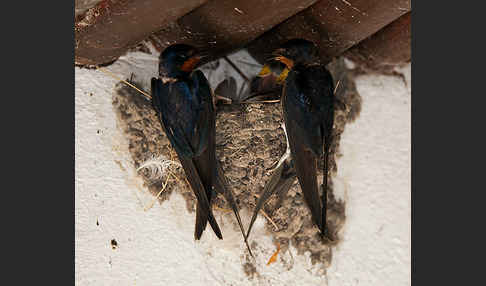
221	186
282	179
203	207
201	222
323	228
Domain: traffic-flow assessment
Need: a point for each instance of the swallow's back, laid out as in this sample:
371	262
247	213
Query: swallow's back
186	111
309	100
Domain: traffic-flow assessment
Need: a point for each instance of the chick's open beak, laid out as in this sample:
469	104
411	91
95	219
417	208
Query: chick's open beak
286	61
283	75
265	71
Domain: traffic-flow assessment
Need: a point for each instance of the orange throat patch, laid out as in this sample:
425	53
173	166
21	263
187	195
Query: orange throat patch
189	65
286	61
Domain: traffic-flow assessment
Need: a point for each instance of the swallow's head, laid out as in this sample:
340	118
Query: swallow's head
296	51
178	60
292	52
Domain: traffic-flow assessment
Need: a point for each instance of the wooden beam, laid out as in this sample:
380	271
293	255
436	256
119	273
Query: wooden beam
109	29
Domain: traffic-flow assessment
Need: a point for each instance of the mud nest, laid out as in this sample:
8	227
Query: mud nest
249	142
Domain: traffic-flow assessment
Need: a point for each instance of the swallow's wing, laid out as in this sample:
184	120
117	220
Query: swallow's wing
221	185
308	113
280	183
326	101
306	168
187	119
326	127
205	123
173	109
203	208
156	88
305	138
204	141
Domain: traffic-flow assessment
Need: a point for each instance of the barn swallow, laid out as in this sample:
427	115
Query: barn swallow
308	110
183	100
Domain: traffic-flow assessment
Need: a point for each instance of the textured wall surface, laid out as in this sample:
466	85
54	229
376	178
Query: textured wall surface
376	169
156	247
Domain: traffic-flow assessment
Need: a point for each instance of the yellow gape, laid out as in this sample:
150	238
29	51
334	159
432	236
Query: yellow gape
283	75
265	71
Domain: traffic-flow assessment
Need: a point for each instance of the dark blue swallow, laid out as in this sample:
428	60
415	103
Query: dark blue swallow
183	100
308	110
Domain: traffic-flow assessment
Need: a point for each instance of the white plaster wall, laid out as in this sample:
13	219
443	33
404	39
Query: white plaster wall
156	247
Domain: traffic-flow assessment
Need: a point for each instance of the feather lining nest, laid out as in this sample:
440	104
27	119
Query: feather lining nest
157	166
